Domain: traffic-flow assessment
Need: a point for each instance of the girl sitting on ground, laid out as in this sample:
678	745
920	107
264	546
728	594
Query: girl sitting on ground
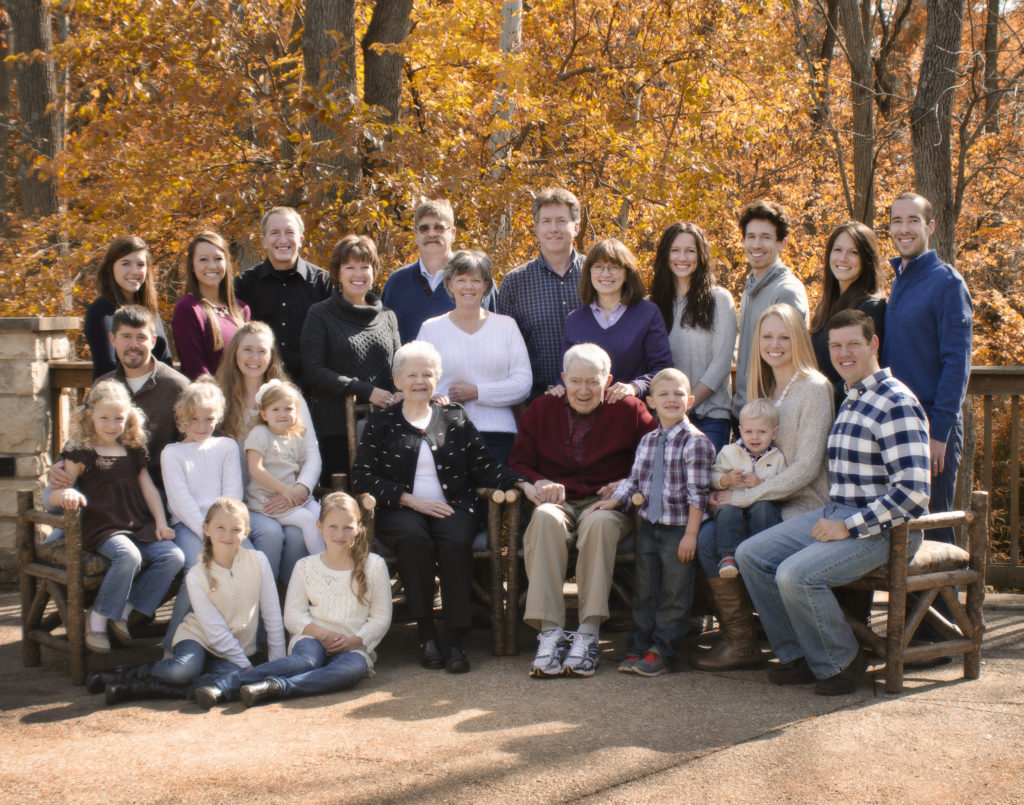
338	609
122	514
275	451
230	590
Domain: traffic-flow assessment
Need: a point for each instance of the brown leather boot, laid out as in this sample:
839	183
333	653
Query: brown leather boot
738	647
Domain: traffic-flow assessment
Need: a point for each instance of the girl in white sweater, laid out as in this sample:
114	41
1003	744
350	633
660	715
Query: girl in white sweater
231	590
196	471
338	609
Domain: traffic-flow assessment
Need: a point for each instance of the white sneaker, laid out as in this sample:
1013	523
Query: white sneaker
582	659
551	649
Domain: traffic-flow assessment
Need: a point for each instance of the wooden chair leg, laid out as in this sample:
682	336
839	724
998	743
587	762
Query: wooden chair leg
515	510
29	587
894	628
76	601
497	578
977	544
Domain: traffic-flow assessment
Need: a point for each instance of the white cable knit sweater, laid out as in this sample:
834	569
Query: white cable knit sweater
327	598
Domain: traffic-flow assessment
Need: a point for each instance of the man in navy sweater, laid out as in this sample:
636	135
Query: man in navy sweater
416	292
929	344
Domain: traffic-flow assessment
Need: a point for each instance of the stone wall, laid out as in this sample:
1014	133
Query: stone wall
26	418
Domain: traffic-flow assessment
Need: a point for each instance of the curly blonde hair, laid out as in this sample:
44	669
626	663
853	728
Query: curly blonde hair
236	418
202	392
232	508
82	431
339	501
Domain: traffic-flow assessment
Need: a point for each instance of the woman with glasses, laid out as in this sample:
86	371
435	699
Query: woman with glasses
614	315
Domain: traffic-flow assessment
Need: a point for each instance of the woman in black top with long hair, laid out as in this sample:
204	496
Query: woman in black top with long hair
849	280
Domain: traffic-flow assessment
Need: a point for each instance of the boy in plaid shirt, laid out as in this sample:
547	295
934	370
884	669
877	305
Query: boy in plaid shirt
672	470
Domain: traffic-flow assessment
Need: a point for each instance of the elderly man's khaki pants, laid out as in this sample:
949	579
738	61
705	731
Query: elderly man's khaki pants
553	529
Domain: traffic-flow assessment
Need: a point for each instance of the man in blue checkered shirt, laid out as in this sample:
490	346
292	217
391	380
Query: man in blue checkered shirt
541	293
879	477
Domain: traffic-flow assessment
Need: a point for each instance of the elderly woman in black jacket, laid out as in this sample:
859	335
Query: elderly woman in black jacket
348	342
423	462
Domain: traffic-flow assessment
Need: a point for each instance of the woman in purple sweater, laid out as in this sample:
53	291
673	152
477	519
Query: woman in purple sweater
207	316
614	315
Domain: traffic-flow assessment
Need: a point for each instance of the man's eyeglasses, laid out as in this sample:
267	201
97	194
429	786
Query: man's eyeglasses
437	229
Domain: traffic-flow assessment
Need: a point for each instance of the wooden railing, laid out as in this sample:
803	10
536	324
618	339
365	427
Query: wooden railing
990	382
987	382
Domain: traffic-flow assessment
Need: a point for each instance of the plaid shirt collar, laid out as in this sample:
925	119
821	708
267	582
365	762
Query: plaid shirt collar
858	388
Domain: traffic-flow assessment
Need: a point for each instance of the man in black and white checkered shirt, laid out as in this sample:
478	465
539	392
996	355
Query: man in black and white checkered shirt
879	477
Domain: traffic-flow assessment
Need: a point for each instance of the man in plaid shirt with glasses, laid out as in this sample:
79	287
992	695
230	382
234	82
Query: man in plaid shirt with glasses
879	477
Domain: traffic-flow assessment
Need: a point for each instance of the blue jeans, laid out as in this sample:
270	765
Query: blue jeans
307	671
717	430
733	525
282	545
124	584
708	540
789	576
944	484
662	592
189	662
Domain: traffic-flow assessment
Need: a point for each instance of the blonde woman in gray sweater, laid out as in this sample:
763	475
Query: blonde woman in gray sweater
783	369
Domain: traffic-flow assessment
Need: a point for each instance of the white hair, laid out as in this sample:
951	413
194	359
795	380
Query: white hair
589	355
416	350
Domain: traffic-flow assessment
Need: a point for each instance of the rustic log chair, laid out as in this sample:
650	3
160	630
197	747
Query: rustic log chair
61	572
492	592
935	570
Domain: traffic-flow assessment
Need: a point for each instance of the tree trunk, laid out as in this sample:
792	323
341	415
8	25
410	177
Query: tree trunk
511	42
36	80
857	29
930	119
332	79
382	69
992	66
5	116
323	71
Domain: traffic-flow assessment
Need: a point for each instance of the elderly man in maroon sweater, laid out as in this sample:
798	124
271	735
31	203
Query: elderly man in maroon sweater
574	450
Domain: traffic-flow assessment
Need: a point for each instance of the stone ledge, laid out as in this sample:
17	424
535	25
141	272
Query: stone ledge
39	324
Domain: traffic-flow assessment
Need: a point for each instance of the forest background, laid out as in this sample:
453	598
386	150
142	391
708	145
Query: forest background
159	118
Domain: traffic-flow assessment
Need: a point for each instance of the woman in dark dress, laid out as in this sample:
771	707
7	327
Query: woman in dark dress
348	342
849	280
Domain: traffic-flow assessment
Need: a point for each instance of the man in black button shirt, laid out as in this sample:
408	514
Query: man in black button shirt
281	289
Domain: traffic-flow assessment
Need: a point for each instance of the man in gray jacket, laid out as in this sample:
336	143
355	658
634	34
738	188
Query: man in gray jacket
765	227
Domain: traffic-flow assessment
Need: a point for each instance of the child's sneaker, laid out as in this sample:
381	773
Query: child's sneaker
727	568
651	664
582	659
626	666
551	649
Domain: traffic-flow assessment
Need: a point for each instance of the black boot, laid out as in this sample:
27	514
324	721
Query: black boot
266	691
97	683
143	689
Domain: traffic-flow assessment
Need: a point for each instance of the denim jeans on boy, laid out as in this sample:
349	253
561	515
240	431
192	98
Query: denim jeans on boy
307	671
124	583
733	525
189	663
662	592
708	540
789	576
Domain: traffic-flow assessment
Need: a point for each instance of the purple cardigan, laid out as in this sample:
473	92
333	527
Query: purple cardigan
637	343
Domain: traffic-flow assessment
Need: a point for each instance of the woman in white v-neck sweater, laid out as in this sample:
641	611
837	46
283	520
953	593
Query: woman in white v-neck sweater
484	362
